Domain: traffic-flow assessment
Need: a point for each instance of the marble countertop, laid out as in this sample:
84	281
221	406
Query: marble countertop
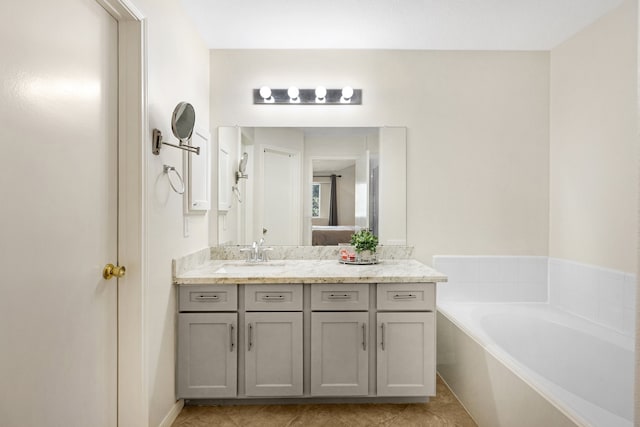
308	271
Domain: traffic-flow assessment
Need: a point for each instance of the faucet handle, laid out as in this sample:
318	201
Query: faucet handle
249	252
265	256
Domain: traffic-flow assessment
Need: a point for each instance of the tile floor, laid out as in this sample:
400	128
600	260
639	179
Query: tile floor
444	410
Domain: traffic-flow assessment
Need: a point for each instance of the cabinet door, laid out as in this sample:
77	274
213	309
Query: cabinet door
207	355
406	354
339	354
273	358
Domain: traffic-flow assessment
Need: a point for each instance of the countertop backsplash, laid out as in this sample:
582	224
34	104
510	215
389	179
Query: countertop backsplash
193	260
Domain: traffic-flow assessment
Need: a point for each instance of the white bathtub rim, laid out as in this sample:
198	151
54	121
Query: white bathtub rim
553	393
569	319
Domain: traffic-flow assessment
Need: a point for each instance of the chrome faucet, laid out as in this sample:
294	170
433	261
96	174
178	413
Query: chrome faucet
257	252
261	251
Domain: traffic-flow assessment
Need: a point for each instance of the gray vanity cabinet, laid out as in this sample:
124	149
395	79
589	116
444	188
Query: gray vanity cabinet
207	365
273	356
360	340
405	356
339	354
273	340
339	339
207	355
406	340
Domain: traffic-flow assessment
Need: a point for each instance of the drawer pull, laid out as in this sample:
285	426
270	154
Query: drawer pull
405	296
273	298
364	336
250	337
231	343
339	296
208	297
382	340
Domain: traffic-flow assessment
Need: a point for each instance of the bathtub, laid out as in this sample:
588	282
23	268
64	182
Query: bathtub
531	364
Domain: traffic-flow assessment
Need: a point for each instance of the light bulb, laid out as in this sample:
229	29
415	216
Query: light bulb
347	93
321	93
265	92
293	93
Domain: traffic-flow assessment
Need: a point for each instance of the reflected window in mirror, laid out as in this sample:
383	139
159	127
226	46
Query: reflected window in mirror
315	200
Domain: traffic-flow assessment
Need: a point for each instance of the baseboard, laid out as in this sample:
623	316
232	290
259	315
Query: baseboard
173	414
308	400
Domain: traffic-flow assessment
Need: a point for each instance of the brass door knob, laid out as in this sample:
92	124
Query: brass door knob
111	270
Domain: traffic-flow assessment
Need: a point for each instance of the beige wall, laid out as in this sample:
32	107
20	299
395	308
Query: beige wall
346	195
178	70
594	144
477	132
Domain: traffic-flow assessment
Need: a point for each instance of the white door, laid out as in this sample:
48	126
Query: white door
281	202
339	354
273	358
58	220
406	354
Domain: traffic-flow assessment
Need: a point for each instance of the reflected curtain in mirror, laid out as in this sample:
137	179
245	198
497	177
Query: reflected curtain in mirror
333	203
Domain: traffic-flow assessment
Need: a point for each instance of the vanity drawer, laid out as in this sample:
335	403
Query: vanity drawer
340	296
406	296
208	298
285	297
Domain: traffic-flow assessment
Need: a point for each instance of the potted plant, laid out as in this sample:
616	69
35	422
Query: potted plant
365	243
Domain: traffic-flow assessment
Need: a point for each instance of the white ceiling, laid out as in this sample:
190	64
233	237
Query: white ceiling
392	24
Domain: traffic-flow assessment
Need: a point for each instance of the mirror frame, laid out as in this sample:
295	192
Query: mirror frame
183	111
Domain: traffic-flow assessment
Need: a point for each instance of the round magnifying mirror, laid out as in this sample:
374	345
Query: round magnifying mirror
183	120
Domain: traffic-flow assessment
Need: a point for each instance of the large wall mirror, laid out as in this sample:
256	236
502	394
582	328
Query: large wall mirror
311	186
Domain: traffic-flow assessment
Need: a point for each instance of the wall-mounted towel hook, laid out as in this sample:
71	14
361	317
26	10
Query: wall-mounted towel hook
167	169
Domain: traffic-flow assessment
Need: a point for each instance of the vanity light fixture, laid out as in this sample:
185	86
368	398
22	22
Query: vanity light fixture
294	95
265	93
320	95
347	94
